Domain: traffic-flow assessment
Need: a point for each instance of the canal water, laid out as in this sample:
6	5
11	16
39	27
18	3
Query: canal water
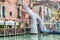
33	37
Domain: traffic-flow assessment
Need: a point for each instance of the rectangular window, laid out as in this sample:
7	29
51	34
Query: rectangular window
19	2
0	11
59	9
3	11
31	3
59	3
59	15
56	6
10	13
49	12
45	10
18	14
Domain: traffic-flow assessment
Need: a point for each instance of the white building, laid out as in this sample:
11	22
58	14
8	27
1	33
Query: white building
59	6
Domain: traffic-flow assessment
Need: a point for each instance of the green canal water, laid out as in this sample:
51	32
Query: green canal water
33	37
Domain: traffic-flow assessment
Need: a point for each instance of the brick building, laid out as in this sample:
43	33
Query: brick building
10	9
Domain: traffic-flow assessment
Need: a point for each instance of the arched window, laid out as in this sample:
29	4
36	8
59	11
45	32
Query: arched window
10	13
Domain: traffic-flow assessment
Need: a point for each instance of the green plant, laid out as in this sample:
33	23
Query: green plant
18	26
27	24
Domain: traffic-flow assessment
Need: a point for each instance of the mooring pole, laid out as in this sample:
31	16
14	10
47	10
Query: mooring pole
24	28
4	28
15	27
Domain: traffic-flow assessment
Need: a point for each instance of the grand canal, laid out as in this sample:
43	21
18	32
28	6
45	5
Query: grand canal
33	37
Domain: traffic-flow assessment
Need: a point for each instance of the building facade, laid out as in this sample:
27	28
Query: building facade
10	9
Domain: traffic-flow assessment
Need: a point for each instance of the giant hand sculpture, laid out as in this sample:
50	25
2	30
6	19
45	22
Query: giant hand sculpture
34	19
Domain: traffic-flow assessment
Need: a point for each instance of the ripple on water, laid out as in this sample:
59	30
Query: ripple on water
33	37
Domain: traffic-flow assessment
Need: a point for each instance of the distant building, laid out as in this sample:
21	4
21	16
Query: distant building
59	6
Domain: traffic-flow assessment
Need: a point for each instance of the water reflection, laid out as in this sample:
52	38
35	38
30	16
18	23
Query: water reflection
32	37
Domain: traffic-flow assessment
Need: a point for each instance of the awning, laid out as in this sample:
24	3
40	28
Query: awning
1	22
8	22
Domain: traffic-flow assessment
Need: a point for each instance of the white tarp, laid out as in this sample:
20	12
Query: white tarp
8	22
